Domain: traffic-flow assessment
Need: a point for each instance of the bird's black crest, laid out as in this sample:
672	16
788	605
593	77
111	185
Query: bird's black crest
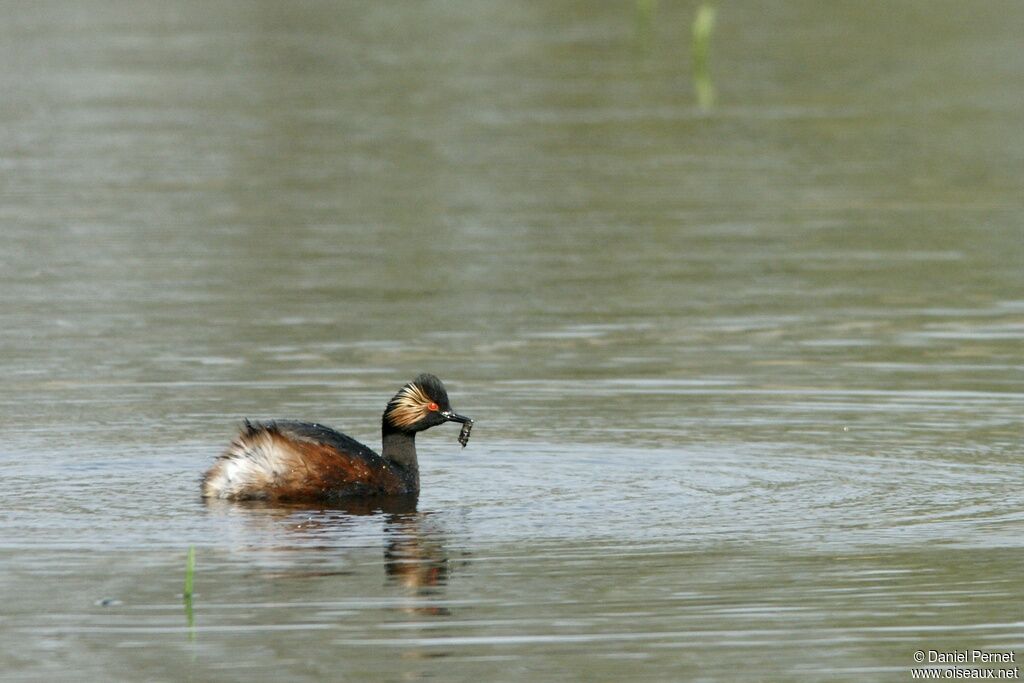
432	387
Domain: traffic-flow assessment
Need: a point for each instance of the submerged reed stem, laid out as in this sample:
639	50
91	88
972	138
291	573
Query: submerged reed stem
703	25
190	570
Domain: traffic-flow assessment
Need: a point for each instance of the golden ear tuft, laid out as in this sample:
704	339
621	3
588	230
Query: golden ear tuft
409	406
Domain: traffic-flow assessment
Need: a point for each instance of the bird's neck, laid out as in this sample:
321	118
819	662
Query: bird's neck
400	449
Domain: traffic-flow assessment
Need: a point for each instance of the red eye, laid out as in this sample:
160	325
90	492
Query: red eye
432	406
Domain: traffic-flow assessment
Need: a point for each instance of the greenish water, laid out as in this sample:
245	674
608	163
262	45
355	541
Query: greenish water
747	377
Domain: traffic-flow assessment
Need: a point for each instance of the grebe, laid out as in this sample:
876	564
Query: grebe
294	461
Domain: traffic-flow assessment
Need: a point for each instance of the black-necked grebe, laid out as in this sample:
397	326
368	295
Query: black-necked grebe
293	461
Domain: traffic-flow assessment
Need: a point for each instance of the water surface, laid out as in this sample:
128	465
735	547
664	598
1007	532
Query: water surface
747	379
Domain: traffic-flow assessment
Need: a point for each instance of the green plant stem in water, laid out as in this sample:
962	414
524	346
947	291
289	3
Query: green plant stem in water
703	26
190	570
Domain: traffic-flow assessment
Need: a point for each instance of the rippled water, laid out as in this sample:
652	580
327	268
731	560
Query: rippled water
747	380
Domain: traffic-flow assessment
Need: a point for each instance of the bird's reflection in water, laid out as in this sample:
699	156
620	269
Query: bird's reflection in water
415	558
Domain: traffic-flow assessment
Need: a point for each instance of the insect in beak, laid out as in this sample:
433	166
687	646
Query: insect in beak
467	425
464	434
